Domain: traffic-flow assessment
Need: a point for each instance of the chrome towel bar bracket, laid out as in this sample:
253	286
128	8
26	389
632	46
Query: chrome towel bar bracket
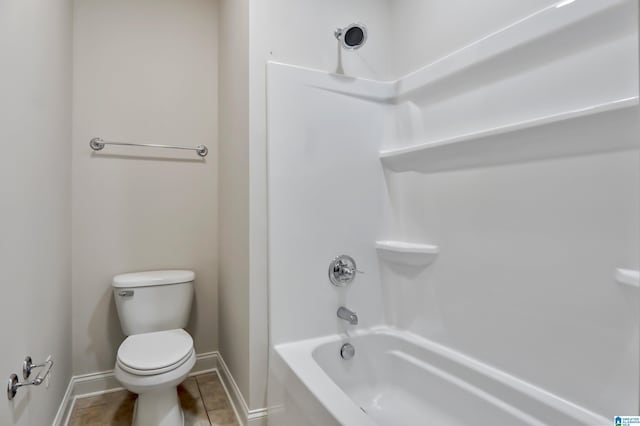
97	144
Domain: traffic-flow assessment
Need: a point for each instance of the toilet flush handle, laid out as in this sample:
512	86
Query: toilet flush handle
125	293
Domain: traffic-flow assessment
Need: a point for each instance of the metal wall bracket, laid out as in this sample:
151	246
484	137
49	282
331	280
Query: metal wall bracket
12	386
27	366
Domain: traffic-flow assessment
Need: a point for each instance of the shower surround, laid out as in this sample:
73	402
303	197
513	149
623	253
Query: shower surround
489	199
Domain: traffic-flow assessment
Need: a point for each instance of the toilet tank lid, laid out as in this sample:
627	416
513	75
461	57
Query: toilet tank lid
153	278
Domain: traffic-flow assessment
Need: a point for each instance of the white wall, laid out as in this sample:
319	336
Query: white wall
302	33
327	197
233	174
35	170
144	71
424	31
524	281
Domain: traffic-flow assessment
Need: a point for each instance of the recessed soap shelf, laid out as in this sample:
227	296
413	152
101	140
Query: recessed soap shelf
628	277
524	140
405	253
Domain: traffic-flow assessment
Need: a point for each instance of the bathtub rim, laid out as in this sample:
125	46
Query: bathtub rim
299	357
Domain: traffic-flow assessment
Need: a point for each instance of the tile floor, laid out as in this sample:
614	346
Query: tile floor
203	399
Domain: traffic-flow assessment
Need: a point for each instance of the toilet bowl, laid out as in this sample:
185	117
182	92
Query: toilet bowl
152	365
158	354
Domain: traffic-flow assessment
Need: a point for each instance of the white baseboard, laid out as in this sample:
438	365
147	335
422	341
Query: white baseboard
64	410
247	417
93	384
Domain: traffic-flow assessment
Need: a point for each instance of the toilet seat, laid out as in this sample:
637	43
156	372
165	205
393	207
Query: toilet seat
155	353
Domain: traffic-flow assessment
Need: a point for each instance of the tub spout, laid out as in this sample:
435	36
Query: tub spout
347	315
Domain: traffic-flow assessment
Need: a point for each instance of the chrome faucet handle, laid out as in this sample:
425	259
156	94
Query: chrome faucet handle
342	270
348	269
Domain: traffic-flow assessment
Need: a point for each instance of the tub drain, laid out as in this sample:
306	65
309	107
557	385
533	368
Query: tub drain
347	351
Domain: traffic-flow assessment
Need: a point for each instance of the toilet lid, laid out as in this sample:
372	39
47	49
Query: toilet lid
150	352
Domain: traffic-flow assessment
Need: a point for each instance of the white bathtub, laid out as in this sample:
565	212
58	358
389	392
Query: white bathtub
397	378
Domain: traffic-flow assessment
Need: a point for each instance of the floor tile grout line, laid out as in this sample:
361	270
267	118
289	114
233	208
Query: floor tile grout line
202	399
228	403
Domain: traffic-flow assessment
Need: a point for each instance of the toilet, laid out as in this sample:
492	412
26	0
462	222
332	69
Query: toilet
158	353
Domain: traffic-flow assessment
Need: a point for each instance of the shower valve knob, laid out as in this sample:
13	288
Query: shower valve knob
342	270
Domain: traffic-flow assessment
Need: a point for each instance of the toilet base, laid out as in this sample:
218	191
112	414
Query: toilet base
158	408
158	403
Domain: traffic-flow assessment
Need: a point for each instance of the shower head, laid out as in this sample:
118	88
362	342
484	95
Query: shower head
352	36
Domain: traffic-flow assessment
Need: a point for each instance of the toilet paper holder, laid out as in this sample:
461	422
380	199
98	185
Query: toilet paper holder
27	367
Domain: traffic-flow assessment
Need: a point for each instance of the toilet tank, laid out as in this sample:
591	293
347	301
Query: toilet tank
154	300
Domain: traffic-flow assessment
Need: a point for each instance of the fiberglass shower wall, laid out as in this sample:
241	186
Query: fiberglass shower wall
516	156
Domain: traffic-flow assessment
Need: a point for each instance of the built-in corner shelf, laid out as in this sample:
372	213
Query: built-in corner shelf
628	277
405	253
586	130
